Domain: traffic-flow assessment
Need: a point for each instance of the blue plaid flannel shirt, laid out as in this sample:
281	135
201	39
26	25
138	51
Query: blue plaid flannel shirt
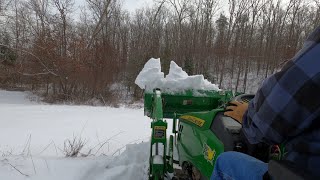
286	108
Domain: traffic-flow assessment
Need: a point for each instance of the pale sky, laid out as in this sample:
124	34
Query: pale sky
130	5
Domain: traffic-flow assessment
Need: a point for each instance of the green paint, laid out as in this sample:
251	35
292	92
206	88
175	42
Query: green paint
158	137
194	139
185	102
197	143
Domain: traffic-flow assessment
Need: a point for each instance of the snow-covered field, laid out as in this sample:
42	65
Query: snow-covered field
32	137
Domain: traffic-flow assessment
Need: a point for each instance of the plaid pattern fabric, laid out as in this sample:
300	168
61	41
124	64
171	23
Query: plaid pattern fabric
286	108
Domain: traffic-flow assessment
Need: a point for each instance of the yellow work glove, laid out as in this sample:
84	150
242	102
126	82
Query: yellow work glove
236	110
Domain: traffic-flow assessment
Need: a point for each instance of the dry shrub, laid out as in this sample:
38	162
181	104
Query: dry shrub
73	147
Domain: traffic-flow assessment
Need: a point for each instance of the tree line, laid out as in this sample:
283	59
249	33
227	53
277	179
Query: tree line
49	47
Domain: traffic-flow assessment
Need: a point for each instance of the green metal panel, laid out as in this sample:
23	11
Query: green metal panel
188	101
198	145
158	136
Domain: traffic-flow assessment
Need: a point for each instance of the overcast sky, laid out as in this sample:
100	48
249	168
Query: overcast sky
130	5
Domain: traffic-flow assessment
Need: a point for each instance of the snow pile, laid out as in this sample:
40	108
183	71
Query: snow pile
176	72
131	164
177	80
151	75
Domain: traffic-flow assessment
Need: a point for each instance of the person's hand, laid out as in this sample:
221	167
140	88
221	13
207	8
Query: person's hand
236	110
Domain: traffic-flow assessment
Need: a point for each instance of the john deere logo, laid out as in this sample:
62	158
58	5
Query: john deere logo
199	122
209	153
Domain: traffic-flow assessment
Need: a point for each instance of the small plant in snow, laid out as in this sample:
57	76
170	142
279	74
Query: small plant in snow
73	147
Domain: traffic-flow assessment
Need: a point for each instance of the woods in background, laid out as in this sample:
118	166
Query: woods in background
47	47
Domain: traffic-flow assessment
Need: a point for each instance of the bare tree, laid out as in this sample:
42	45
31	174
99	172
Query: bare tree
64	7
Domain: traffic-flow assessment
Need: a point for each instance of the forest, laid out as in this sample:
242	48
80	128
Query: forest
49	48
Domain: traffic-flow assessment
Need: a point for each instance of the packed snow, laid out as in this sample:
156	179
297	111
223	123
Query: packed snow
32	138
177	80
151	75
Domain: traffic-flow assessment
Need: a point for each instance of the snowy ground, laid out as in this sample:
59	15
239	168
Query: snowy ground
32	137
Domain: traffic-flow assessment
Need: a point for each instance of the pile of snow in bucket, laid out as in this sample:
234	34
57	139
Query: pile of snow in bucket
177	80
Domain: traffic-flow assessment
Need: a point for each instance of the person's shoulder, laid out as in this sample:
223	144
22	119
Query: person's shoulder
314	36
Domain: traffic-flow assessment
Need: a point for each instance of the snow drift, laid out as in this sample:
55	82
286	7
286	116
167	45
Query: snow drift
131	164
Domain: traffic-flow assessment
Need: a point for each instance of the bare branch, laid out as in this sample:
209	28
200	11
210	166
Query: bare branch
98	28
37	58
14	167
34	74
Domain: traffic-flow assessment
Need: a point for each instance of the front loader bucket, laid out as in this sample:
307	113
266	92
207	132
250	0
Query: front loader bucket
188	101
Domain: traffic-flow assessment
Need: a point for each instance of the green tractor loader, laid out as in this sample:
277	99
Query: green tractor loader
200	133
